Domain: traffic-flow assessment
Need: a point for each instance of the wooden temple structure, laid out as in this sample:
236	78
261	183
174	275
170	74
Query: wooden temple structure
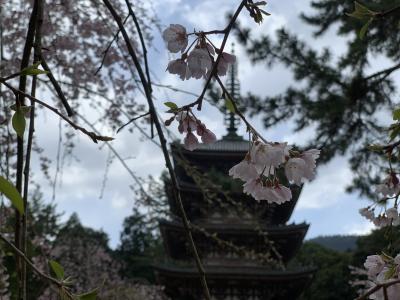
245	246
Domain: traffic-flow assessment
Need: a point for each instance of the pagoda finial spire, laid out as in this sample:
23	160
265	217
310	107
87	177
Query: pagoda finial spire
233	86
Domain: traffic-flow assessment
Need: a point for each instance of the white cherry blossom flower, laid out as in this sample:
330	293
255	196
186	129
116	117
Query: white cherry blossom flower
179	67
389	187
176	38
253	187
224	62
199	62
282	194
266	155
186	122
208	137
310	156
393	215
244	171
367	212
374	264
190	141
295	169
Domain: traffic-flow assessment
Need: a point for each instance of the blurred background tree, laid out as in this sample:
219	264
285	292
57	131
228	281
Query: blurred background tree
345	99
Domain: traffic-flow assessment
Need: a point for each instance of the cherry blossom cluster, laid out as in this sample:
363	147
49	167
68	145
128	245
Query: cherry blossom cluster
188	124
389	217
197	63
390	186
258	170
383	269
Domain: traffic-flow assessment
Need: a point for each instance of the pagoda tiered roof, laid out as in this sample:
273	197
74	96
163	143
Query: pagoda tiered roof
286	240
231	282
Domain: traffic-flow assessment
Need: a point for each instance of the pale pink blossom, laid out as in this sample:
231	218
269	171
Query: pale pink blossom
310	156
393	215
382	221
367	212
374	264
179	67
199	62
186	122
268	155
295	169
190	141
253	187
390	186
176	38
208	137
281	194
244	171
224	62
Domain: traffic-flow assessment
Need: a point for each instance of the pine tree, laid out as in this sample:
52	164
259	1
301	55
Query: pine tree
338	95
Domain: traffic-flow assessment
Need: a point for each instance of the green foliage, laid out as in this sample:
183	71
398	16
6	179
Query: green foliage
338	96
33	70
19	123
139	248
331	279
57	269
12	194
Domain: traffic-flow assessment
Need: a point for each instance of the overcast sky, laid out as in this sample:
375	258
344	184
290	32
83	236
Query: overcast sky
323	203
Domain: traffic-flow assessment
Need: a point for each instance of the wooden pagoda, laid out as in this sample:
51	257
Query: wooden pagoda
245	246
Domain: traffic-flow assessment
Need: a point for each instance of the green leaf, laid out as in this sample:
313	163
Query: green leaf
229	105
391	272
361	12
92	295
364	29
375	147
57	269
396	114
33	70
12	194
394	133
171	105
18	123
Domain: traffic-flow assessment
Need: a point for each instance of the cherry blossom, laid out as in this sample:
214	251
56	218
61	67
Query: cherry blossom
208	137
179	67
186	122
390	186
244	170
266	155
199	62
224	62
297	169
191	142
176	38
374	264
367	212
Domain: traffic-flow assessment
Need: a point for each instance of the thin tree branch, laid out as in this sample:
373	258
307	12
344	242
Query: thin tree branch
95	138
115	37
163	142
56	86
20	146
377	287
133	120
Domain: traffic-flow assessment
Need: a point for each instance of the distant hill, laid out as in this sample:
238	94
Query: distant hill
340	243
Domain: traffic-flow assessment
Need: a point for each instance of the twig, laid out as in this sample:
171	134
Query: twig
226	33
95	138
132	120
377	287
56	86
108	48
20	147
137	25
20	254
163	142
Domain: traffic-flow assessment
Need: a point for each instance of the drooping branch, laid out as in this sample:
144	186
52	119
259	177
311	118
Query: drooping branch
95	138
163	142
